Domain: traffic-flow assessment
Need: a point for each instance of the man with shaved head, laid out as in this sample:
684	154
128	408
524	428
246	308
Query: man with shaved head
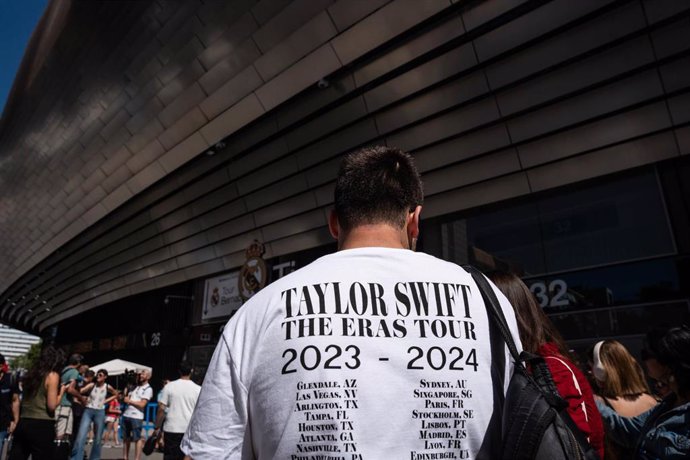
133	417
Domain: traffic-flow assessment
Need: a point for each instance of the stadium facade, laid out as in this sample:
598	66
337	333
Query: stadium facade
161	160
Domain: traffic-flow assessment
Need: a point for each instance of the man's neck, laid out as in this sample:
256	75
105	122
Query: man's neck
376	235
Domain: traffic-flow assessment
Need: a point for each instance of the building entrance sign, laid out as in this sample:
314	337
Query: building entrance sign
221	296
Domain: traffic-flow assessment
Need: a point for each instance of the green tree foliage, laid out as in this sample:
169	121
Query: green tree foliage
27	360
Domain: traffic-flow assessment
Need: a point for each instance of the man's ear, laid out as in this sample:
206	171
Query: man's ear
333	225
413	223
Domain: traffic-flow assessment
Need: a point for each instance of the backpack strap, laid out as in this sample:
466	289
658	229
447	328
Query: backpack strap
493	440
499	334
494	310
542	375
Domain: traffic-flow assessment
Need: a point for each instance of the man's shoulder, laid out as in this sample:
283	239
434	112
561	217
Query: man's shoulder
342	265
187	385
143	389
69	373
402	259
175	384
423	257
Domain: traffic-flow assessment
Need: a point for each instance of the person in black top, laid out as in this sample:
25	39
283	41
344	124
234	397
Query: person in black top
8	390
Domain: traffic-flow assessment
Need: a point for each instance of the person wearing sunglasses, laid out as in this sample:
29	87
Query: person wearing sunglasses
94	412
662	432
655	371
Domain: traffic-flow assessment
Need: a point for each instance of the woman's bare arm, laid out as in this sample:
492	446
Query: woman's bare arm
53	392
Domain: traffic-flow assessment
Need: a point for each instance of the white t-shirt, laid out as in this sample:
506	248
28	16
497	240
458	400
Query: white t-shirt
371	353
138	394
180	398
97	396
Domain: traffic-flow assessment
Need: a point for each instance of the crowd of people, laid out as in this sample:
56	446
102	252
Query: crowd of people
408	334
616	403
358	350
61	406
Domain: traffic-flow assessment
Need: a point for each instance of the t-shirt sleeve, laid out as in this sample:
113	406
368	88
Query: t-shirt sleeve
164	397
147	393
218	426
69	375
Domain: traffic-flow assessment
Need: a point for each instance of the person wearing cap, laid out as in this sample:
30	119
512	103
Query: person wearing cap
8	391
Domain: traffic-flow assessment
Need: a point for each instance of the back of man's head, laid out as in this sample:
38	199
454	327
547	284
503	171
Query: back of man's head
377	185
75	359
185	369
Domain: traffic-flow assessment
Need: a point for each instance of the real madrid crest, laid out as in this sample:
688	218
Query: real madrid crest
253	274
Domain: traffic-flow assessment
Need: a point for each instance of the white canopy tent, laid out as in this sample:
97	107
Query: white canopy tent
118	367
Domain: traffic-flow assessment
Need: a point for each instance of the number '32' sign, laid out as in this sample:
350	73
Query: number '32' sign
555	294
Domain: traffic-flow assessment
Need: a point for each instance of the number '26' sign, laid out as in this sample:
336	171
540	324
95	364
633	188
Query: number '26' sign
553	294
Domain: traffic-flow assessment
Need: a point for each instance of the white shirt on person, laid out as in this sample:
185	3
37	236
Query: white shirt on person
179	397
97	397
378	352
138	394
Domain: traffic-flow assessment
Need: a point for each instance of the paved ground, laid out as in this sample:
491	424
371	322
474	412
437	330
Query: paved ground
117	453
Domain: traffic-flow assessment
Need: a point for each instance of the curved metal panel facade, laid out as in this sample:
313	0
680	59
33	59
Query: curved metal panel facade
106	191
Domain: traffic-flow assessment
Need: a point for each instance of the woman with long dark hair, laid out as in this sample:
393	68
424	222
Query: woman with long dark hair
94	413
664	431
540	337
42	391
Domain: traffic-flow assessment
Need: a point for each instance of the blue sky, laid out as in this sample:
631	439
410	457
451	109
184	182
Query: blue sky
18	19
